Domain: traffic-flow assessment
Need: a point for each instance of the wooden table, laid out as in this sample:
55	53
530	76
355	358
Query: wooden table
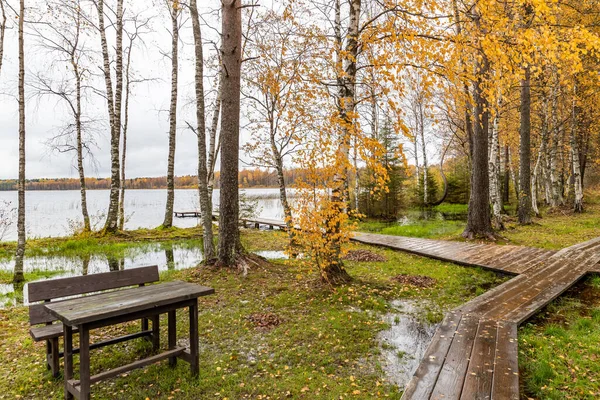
109	308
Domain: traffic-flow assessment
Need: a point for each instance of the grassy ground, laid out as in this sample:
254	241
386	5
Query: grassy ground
325	346
558	350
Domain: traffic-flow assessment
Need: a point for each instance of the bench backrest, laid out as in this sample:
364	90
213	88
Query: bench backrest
63	287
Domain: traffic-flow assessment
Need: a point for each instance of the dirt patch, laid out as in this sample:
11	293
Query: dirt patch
364	256
415	280
264	320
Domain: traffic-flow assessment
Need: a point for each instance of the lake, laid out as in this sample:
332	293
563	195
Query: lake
56	213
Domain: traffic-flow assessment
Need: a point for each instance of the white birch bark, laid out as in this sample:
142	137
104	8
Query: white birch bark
494	174
20	253
205	204
576	168
174	13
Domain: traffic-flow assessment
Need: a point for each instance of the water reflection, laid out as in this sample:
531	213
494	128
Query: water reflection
404	344
167	256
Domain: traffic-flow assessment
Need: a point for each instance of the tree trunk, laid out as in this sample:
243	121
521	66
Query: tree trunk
417	167
478	220
213	144
334	271
506	176
205	204
538	163
525	150
513	176
82	187
168	221
494	175
77	116
231	56
421	125
577	184
18	273
2	32
278	163
556	199
534	176
124	138
114	110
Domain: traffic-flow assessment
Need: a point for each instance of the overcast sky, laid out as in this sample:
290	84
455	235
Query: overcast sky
148	124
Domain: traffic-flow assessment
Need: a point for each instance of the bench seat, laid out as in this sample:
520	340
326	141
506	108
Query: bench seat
45	326
47	332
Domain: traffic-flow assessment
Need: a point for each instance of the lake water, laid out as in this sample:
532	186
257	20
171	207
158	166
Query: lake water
55	213
166	255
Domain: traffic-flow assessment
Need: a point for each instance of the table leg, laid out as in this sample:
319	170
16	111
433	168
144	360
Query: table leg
84	362
155	332
68	338
172	333
194	338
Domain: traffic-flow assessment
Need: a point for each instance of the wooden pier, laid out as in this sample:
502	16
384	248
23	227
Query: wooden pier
258	222
186	214
252	222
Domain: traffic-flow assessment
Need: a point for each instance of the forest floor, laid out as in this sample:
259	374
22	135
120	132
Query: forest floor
279	333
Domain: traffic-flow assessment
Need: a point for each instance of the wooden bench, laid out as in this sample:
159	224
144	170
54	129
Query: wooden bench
45	326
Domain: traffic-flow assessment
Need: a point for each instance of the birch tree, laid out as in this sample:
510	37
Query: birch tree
140	26
174	8
114	99
575	162
203	175
20	253
2	32
494	171
64	39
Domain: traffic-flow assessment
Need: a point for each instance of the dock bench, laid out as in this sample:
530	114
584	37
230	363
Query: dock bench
45	326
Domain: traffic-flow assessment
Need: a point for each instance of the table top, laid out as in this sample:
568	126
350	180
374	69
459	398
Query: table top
116	303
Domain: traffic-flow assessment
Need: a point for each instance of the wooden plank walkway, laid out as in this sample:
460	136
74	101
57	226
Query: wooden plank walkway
473	354
508	259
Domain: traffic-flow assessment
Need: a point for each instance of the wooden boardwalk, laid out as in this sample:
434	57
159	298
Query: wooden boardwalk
473	354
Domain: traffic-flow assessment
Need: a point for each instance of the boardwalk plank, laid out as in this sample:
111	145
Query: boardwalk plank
478	379
505	384
421	385
452	375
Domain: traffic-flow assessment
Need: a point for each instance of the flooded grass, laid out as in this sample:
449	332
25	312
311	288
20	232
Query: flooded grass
404	343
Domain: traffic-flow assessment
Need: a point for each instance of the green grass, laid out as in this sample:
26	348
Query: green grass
558	351
35	275
324	348
448	208
435	229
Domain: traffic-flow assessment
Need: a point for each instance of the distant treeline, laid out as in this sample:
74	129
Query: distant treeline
248	178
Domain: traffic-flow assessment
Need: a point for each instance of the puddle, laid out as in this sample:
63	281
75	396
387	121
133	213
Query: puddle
404	344
272	255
